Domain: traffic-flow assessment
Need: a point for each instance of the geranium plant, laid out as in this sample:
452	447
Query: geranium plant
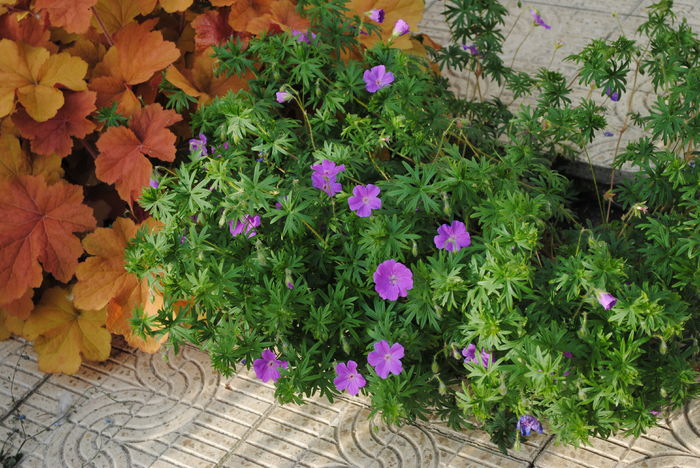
352	226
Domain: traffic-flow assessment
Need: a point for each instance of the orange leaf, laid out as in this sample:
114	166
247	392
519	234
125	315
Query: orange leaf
33	73
199	81
122	158
104	281
63	336
54	135
20	307
37	225
72	15
10	325
175	5
212	28
244	12
32	29
115	14
16	162
4	4
138	53
284	14
110	89
411	11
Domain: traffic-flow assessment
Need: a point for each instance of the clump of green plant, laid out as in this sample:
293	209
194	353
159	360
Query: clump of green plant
331	213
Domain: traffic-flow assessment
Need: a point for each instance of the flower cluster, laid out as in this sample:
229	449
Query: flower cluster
323	177
248	224
469	354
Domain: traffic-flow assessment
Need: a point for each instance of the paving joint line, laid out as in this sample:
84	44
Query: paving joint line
533	463
20	401
247	434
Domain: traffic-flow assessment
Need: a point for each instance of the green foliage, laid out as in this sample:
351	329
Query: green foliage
526	290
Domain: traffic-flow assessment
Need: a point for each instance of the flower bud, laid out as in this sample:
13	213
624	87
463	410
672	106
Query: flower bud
663	347
414	249
434	367
442	388
344	343
663	392
446	208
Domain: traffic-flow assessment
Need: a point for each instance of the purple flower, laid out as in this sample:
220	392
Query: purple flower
613	96
386	359
568	354
654	412
248	223
608	134
364	200
472	49
278	205
199	145
607	300
566	373
348	377
267	368
225	145
377	78
392	279
469	354
376	15
538	19
400	28
153	183
183	238
527	424
283	96
290	285
324	177
302	37
452	237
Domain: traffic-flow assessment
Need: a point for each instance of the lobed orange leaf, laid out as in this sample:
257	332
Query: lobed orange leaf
252	16
64	336
72	15
104	282
115	14
411	11
54	135
33	73
138	53
15	162
10	325
200	82
37	225
212	28
4	4
122	160
172	6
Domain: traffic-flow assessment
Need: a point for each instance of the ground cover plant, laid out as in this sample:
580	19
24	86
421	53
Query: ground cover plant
93	93
346	224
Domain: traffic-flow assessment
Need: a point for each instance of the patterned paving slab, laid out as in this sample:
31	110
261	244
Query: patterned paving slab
168	410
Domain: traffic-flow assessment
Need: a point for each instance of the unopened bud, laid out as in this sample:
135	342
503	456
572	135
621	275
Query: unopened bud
344	343
582	330
442	388
435	367
446	208
663	347
663	392
414	249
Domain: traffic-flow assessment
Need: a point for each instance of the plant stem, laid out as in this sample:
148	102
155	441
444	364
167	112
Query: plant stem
102	26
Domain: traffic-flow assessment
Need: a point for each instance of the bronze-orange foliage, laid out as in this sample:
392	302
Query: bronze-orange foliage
122	160
104	283
63	335
38	223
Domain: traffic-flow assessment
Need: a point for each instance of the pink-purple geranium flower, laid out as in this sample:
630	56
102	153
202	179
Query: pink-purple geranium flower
323	177
303	37
614	96
364	200
283	96
452	237
248	224
538	19
472	49
527	424
267	367
392	279
400	28
377	78
199	145
469	354
348	378
386	359
153	183
376	15
607	300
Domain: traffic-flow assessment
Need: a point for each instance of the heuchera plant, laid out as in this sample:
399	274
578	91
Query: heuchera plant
420	249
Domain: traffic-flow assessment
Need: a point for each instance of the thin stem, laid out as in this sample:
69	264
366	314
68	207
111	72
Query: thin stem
102	26
376	166
315	233
595	183
306	120
515	55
